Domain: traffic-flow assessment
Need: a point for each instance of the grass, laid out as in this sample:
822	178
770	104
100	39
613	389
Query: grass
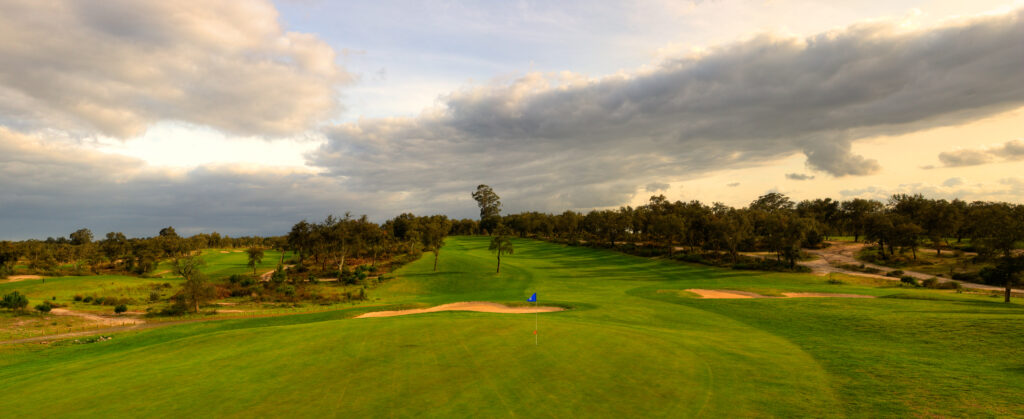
634	344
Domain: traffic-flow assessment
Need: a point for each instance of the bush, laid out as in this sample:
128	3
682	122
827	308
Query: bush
895	274
154	296
930	283
120	309
78	297
909	280
14	301
237	279
967	276
87	299
45	307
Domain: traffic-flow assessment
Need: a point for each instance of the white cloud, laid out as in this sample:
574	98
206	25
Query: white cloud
118	66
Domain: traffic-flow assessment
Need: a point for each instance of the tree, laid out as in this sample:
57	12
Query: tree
195	288
501	244
1007	273
80	237
490	207
9	254
435	229
857	213
115	247
255	257
14	301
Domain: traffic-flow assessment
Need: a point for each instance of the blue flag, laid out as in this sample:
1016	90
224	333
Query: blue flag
533	298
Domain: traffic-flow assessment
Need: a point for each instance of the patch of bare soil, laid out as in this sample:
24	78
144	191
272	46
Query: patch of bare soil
844	253
479	306
224	251
104	320
744	294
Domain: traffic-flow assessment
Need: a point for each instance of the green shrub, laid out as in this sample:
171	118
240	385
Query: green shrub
930	283
909	280
14	301
78	297
154	296
895	274
87	299
45	307
120	309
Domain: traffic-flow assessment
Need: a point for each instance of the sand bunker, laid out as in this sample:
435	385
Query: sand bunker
480	306
16	278
745	294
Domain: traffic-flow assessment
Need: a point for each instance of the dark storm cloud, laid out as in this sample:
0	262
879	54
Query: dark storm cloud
555	143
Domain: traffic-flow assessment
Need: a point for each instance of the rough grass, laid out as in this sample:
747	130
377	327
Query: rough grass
630	347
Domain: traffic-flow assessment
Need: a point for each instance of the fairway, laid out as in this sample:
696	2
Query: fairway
633	343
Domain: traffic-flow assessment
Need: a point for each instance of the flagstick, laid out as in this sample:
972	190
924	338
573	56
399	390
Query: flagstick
536	325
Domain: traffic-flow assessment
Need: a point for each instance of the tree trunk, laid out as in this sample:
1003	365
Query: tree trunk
1008	290
499	262
913	250
436	253
375	250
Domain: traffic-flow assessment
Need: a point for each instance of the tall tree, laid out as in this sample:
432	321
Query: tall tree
501	244
490	207
255	257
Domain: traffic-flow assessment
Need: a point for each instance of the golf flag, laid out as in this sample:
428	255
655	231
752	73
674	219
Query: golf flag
533	298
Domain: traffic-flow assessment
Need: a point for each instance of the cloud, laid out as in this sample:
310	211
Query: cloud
953	181
1013	149
964	158
551	141
1008	189
1010	150
117	66
798	176
51	189
656	186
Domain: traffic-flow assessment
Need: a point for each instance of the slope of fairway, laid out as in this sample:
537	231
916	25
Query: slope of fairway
633	344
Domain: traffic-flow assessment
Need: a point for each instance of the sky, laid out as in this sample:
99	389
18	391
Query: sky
245	117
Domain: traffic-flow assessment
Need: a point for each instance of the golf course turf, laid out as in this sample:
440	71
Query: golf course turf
633	343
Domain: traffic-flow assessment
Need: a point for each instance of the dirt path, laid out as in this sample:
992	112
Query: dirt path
842	253
104	320
731	294
479	306
266	275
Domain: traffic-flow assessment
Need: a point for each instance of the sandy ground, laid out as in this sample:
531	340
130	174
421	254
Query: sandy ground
16	278
480	306
712	294
824	295
844	253
106	321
